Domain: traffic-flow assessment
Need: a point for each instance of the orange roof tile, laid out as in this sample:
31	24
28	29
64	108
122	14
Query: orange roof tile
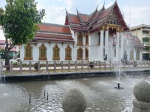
84	17
53	36
74	18
54	28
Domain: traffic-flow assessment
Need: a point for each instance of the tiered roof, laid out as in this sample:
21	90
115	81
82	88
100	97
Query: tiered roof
53	32
92	22
78	22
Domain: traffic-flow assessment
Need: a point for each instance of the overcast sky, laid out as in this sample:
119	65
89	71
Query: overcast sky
135	12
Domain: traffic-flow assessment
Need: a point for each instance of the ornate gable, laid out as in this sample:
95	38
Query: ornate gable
113	18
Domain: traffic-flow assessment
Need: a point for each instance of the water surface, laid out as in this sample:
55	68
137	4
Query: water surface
100	94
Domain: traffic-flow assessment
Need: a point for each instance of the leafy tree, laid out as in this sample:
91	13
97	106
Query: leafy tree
19	21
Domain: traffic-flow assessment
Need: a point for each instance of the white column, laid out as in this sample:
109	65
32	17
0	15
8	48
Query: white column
62	52
134	54
106	43
102	45
141	55
89	47
117	48
122	43
22	52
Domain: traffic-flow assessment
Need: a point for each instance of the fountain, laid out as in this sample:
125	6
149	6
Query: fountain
99	93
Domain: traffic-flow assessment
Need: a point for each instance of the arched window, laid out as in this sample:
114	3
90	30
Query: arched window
79	39
42	52
87	40
79	54
56	50
86	54
28	52
68	53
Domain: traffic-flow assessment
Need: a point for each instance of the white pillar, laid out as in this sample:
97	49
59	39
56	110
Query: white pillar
90	47
141	55
117	48
134	54
102	45
22	52
106	43
62	52
122	43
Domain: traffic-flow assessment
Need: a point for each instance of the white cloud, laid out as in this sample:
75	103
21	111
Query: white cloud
109	4
56	14
99	3
137	15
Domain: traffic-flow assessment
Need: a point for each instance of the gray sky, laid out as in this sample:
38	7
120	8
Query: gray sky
135	12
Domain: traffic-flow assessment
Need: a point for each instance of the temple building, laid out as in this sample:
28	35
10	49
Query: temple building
93	37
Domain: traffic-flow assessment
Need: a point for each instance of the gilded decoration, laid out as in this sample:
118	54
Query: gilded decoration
42	52
86	54
28	52
79	39
79	54
68	53
56	54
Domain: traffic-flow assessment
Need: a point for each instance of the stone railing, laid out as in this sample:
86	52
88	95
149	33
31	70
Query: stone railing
43	67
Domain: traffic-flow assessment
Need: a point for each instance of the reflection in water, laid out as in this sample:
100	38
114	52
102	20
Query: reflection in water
99	92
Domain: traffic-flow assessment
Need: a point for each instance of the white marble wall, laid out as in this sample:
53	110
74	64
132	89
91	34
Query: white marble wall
95	50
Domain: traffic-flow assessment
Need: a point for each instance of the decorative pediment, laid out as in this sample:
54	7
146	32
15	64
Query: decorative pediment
113	18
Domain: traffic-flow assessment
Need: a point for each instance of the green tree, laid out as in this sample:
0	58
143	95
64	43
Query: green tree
19	21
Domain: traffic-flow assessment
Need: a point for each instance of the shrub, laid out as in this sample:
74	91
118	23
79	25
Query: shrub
36	66
15	63
91	64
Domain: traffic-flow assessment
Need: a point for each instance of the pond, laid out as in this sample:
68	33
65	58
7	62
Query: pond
100	94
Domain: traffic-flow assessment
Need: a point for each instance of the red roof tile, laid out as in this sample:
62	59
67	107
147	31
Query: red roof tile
53	28
83	17
83	22
54	37
74	18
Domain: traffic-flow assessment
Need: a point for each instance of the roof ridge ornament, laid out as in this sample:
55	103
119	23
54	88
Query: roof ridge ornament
77	10
66	11
97	8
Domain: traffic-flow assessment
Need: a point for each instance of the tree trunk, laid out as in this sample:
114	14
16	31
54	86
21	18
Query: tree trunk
7	58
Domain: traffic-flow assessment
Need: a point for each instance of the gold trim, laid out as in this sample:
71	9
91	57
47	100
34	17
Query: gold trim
87	44
56	58
78	58
79	44
28	58
68	58
42	58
